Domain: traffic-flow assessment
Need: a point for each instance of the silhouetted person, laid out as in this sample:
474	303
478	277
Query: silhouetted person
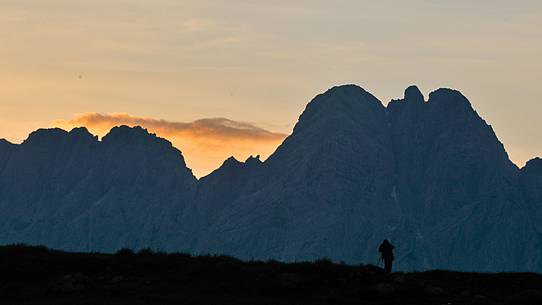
386	254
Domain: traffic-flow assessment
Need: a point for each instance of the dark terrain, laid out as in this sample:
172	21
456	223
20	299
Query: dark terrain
37	275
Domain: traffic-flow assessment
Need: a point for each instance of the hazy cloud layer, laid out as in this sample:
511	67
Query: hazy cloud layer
205	143
217	128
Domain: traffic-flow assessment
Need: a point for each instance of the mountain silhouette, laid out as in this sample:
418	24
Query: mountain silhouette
431	176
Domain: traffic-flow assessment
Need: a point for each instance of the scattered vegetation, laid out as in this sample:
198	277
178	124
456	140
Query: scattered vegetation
124	252
37	275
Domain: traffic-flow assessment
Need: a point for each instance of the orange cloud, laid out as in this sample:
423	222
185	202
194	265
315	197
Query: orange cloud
205	143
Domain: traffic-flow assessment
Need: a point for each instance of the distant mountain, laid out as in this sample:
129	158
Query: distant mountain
429	175
71	191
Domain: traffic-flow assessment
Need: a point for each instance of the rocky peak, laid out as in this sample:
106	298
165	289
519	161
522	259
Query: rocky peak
403	113
126	135
253	161
341	103
413	95
46	136
128	138
230	162
533	166
81	135
81	132
229	166
449	101
232	167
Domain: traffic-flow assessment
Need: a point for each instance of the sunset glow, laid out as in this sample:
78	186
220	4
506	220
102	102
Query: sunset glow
180	61
205	143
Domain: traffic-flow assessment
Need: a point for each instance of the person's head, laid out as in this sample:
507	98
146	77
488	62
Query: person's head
385	241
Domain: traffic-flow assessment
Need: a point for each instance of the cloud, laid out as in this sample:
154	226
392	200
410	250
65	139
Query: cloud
217	128
205	143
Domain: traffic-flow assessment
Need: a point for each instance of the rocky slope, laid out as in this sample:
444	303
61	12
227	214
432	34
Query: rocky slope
432	176
324	192
429	175
68	190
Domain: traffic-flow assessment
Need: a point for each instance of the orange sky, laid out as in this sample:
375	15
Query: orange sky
261	62
205	143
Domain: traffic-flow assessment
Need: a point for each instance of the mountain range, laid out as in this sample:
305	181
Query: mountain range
431	176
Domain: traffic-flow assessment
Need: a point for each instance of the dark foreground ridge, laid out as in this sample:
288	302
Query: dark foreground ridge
37	275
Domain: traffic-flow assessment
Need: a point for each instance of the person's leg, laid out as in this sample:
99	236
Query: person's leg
387	265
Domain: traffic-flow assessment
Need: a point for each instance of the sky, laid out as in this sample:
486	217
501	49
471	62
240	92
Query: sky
221	78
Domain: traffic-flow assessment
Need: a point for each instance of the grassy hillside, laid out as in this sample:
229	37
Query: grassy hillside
37	275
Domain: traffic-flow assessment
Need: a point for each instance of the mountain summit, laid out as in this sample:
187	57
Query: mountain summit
430	175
